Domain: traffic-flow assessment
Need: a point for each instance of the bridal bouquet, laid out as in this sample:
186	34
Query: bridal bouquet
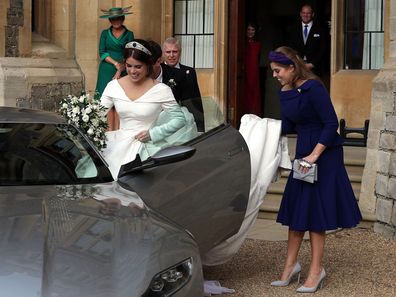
88	115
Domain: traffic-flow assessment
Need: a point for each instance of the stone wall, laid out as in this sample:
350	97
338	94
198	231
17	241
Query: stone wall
48	96
382	144
37	82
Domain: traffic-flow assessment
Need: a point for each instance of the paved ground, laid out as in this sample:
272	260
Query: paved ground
358	262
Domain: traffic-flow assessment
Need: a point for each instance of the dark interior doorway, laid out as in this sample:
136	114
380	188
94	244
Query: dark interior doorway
272	18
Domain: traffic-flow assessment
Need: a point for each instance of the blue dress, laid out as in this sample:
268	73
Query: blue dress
328	203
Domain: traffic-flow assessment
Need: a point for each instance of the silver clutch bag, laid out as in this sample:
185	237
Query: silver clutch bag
310	176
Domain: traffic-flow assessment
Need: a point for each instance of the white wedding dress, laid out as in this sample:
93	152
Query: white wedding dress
135	116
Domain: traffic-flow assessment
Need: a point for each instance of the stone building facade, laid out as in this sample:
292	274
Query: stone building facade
48	49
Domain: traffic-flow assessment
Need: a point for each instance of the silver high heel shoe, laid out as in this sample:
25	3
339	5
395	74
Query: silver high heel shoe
295	273
319	284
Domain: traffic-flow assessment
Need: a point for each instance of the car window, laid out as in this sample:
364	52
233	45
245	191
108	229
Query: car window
47	154
196	124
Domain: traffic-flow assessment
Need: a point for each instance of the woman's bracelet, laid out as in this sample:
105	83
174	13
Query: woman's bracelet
115	64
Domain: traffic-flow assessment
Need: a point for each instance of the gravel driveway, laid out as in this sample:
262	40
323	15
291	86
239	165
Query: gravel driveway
358	262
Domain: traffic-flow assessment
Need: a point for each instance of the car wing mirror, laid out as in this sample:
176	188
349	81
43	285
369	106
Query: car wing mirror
165	156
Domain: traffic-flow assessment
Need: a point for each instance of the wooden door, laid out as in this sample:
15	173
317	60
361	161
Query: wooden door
236	38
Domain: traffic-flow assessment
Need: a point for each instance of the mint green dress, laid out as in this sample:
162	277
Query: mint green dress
113	47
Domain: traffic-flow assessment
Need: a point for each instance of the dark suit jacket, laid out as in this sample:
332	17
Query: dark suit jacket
314	49
185	90
169	74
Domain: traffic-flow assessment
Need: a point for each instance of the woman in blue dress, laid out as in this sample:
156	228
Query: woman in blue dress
328	203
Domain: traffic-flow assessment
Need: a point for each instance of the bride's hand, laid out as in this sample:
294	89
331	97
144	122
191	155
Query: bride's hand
143	136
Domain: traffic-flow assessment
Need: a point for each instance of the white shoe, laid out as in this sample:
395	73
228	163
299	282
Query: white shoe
295	272
319	284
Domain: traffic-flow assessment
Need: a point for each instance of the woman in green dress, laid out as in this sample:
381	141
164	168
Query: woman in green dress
111	47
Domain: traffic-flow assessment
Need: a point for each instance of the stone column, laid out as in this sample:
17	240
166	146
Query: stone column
385	182
14	21
379	177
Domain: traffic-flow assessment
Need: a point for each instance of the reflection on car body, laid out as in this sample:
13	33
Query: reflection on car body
68	229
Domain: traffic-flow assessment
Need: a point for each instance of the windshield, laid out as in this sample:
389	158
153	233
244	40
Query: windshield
32	154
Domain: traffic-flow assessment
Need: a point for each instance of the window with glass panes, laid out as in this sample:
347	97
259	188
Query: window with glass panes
364	34
193	27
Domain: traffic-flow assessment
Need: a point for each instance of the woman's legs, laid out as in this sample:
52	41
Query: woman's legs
293	247
317	251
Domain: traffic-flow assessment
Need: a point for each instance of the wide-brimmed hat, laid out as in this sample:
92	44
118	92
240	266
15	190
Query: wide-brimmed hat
115	12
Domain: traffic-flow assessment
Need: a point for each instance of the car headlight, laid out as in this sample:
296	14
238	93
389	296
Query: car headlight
170	280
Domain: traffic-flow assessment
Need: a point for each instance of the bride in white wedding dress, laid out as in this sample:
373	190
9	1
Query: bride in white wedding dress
138	99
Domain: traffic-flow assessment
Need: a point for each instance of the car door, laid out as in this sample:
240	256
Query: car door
206	194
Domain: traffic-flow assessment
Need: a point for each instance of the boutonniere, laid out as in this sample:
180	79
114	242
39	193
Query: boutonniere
171	83
316	35
187	71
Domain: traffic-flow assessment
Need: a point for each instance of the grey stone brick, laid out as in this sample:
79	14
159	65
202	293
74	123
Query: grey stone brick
16	3
392	188
392	166
11	31
381	185
36	103
384	210
76	89
55	90
387	141
39	91
390	123
12	51
11	41
65	90
386	230
48	104
393	220
384	162
23	103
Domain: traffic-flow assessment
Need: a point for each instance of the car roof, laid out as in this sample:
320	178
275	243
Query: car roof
24	115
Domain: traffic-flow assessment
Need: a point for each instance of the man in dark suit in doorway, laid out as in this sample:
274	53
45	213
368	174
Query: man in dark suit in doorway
171	51
308	38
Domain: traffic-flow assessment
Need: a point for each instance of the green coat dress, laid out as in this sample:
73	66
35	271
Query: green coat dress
113	47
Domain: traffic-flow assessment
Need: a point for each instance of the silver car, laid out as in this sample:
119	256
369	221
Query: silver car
68	229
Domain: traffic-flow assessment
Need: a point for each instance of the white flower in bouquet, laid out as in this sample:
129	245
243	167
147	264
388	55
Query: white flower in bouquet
76	110
88	110
88	115
90	131
85	118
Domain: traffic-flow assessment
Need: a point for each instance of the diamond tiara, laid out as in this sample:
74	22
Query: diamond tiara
138	46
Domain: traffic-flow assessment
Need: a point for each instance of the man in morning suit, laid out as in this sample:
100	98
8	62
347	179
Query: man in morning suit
172	77
171	50
308	38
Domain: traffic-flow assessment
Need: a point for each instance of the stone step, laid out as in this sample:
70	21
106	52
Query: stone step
43	48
